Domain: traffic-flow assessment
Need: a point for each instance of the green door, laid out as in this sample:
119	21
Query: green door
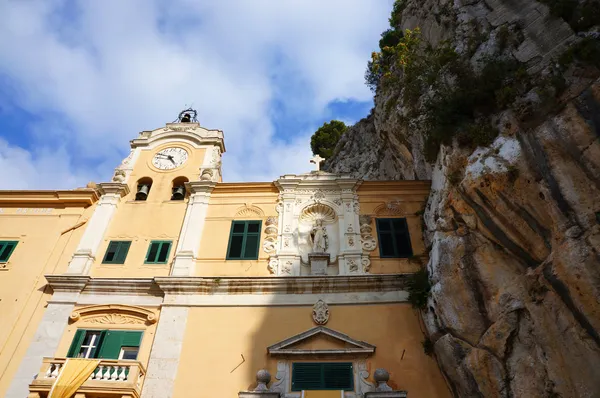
114	340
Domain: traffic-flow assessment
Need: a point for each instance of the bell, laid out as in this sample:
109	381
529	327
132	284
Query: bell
142	192
185	118
178	193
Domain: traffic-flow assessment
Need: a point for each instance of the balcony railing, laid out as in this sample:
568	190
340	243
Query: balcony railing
121	378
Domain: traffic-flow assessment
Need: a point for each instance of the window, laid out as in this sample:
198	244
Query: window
116	252
106	344
6	249
158	252
243	240
322	376
394	239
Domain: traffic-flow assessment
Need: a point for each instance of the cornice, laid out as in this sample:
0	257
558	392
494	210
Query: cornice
200	186
281	285
83	197
67	283
227	188
122	286
396	187
113	188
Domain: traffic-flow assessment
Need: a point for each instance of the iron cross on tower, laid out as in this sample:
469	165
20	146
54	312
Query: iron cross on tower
317	160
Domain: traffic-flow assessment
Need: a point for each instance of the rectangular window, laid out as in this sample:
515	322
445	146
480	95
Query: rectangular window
244	240
394	239
6	249
322	376
106	344
116	252
158	252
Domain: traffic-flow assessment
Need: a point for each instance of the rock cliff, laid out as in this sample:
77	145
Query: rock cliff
513	221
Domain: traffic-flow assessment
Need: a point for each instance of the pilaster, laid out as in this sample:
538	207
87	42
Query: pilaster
166	353
83	258
193	225
49	332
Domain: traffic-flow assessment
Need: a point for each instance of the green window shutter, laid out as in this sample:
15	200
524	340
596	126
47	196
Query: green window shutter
76	343
116	252
338	376
115	339
306	376
6	249
322	376
158	252
244	240
394	238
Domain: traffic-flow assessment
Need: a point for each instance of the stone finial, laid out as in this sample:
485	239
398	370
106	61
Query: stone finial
382	376
263	377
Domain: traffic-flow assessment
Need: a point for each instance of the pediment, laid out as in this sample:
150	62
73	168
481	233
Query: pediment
320	341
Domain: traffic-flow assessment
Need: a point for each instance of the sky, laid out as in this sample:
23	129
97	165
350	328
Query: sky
79	79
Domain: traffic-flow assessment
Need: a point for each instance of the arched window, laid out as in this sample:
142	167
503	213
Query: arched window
143	188
178	190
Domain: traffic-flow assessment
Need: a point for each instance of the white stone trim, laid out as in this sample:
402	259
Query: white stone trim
191	230
165	354
44	344
84	255
285	347
254	300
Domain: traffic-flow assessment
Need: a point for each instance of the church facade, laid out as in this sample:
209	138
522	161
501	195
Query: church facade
173	283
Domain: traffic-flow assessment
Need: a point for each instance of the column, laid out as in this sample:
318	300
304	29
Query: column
350	247
49	332
165	354
83	258
193	225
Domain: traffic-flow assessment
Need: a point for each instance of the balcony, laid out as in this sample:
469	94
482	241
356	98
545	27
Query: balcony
112	378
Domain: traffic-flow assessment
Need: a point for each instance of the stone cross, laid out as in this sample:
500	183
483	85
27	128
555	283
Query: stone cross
317	160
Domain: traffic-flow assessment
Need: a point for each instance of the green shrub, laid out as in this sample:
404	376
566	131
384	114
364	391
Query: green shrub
427	346
396	17
324	140
418	287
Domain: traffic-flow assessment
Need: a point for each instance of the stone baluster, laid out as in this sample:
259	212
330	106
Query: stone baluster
382	390
115	374
106	375
56	370
100	372
49	370
123	375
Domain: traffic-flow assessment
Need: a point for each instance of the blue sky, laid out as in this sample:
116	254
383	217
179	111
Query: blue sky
79	79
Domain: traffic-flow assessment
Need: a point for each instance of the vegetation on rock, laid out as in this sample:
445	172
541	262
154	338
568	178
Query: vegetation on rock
323	141
418	287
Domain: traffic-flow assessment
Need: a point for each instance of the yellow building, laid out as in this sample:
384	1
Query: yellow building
173	283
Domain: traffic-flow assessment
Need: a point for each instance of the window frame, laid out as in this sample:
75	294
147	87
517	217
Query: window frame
244	235
116	259
393	234
161	243
3	247
98	343
322	386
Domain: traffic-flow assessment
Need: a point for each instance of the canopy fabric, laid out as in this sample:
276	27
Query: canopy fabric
323	394
73	374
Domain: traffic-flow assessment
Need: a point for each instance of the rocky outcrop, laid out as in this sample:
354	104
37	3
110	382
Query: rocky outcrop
513	228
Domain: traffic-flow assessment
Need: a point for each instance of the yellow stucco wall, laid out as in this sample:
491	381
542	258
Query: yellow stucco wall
230	202
216	338
408	199
46	244
156	218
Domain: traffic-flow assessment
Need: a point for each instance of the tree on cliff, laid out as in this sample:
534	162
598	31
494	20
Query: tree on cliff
326	137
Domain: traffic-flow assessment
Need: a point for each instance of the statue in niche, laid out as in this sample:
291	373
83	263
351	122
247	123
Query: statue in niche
318	237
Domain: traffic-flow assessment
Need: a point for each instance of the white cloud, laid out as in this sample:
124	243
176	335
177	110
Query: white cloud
109	69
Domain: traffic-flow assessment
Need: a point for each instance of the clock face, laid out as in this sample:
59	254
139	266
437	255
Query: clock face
169	158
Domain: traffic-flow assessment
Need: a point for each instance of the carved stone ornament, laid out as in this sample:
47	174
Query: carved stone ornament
320	312
115	319
366	234
119	175
316	212
207	175
352	265
273	264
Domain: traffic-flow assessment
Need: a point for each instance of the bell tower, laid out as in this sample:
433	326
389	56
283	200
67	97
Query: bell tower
163	160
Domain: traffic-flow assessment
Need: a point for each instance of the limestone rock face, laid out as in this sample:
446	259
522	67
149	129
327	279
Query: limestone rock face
513	229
